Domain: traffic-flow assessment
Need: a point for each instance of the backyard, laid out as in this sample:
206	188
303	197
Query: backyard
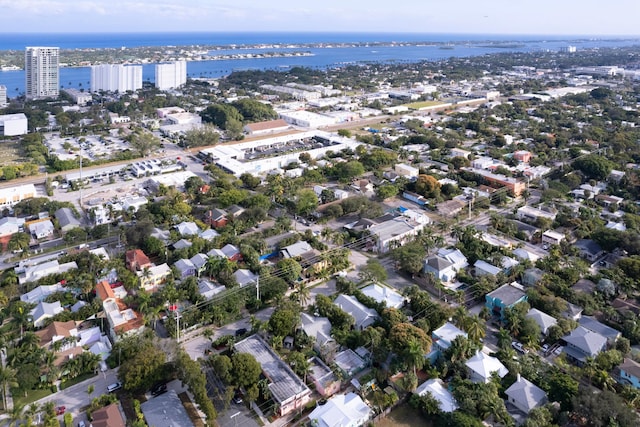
404	416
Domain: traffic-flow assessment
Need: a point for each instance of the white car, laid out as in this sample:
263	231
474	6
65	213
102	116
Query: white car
545	348
518	346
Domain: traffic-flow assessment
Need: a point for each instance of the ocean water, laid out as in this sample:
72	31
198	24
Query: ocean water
325	56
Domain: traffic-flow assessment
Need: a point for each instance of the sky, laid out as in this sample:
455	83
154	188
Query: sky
549	17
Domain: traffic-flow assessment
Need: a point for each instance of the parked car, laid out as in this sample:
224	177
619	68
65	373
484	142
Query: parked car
60	410
237	398
519	347
113	387
558	350
159	389
545	348
240	332
82	424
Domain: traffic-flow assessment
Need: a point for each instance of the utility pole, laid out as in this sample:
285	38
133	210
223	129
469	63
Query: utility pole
258	288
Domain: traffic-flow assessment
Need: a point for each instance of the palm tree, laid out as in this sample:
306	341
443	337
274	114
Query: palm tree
414	355
460	317
16	414
21	316
504	338
7	380
475	328
302	293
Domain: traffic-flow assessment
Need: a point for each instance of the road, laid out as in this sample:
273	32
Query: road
76	398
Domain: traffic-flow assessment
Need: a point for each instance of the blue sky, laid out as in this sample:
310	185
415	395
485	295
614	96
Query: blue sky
578	17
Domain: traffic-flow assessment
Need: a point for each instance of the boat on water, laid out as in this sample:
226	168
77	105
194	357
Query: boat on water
10	68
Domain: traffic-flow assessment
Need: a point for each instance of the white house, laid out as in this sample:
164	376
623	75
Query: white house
482	366
438	391
362	315
43	311
404	169
344	410
40	293
542	319
41	229
525	395
551	237
391	298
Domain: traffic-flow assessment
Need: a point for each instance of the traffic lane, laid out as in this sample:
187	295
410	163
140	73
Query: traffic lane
76	397
236	415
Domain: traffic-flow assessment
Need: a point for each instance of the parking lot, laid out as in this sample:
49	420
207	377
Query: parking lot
92	147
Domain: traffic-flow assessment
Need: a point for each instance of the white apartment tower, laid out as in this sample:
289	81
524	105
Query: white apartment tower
42	72
171	75
116	78
3	96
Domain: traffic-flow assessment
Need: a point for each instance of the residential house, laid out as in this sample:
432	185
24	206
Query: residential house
209	289
628	372
182	244
288	391
506	296
44	311
455	256
394	233
38	271
187	228
235	210
319	329
529	213
440	267
542	319
572	312
154	277
349	362
325	380
185	267
295	250
525	395
608	201
41	229
593	325
40	293
444	336
481	366
435	387
244	277
209	234
589	249
362	315
524	255
384	294
483	268
58	331
122	320
231	252
584	286
583	343
136	260
199	261
107	416
551	237
166	410
10	225
217	218
507	263
66	219
532	276
344	410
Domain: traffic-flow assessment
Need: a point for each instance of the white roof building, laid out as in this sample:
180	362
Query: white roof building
438	391
11	196
362	315
343	410
482	366
542	319
36	272
13	124
45	310
525	395
391	298
40	293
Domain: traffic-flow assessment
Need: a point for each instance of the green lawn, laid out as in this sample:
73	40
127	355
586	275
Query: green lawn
404	416
423	104
10	152
76	380
32	396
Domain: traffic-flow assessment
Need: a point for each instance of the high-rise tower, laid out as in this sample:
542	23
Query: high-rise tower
42	72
